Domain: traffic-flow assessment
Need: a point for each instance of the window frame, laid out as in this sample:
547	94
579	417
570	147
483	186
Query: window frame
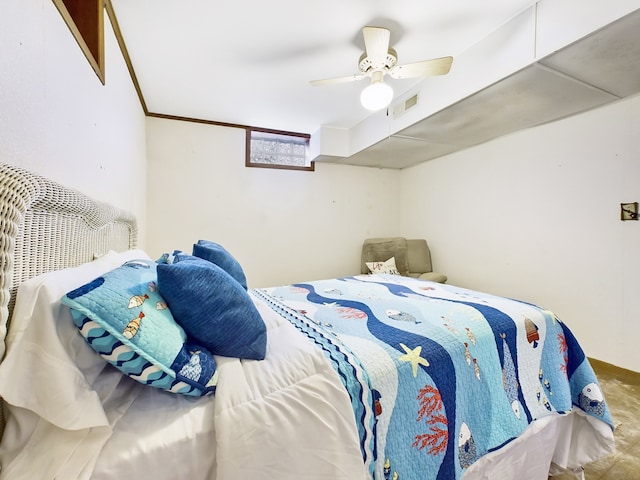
250	163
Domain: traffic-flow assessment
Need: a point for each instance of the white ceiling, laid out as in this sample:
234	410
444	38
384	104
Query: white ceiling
517	64
250	63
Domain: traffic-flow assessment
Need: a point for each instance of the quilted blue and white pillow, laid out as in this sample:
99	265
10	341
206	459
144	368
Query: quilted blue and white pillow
124	318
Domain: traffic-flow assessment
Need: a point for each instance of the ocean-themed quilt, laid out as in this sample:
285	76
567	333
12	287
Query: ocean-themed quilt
439	375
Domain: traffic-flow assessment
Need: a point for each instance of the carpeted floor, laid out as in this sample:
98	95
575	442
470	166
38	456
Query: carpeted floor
622	391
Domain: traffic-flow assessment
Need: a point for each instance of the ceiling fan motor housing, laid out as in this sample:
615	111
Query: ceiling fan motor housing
366	65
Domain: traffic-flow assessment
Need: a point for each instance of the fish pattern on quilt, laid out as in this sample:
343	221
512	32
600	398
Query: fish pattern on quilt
439	375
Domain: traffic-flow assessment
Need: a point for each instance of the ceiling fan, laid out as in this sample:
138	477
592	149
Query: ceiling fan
378	60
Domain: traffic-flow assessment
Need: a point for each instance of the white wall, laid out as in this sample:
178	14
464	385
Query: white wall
56	117
533	215
283	226
536	216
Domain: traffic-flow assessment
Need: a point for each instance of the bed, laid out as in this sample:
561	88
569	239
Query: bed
370	376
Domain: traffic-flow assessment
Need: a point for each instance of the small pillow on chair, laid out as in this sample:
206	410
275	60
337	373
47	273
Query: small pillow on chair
384	267
213	308
217	254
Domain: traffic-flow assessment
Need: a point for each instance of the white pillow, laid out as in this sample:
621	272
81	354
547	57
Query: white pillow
384	267
45	354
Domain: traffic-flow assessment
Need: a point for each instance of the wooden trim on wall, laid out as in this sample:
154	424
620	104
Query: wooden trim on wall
125	53
197	120
85	19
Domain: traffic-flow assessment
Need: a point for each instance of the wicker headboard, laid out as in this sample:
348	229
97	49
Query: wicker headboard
46	226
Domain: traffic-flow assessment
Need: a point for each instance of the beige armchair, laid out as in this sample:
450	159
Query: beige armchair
412	257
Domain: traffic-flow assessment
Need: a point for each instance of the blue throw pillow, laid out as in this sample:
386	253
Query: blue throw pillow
217	254
123	317
213	308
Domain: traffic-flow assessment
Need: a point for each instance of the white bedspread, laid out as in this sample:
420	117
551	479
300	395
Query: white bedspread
71	416
286	417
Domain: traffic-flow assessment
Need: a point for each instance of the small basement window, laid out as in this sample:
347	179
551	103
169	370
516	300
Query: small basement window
277	149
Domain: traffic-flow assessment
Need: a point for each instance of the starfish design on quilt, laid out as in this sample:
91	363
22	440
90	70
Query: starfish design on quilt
414	357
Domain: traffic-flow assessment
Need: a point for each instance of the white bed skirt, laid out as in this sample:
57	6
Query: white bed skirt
550	446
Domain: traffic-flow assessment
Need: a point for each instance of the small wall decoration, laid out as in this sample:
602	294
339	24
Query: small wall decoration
85	19
629	211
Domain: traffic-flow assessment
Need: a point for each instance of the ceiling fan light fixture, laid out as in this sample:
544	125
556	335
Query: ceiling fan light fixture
376	96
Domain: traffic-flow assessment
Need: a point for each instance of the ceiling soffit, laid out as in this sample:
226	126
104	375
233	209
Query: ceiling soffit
597	69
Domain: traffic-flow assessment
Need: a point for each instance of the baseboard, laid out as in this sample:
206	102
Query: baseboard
629	376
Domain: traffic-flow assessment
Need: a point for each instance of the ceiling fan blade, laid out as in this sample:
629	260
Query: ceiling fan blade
336	80
436	66
376	44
